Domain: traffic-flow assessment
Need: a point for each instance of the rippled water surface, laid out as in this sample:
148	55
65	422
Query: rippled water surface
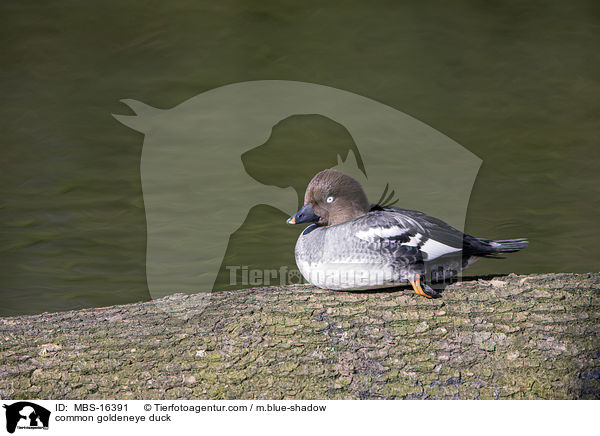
518	85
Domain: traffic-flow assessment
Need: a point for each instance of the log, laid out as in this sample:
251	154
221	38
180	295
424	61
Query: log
520	337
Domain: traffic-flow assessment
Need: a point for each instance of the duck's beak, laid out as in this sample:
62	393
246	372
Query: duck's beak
304	215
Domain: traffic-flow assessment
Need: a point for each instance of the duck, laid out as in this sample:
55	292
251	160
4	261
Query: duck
351	244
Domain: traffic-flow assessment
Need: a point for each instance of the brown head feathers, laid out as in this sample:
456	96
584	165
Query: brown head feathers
336	197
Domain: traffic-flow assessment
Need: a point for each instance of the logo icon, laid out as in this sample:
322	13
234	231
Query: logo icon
26	415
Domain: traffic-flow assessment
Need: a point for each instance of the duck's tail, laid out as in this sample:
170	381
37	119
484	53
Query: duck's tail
490	248
508	245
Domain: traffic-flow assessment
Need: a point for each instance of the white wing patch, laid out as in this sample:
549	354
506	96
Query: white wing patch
414	241
380	233
431	248
435	249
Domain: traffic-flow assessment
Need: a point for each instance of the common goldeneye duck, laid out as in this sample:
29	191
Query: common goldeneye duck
355	245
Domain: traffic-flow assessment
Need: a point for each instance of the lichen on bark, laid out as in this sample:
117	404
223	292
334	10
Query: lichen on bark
514	337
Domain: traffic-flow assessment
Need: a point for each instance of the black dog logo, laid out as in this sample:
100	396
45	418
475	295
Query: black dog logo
31	414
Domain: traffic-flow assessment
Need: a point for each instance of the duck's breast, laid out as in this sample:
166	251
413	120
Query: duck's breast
335	258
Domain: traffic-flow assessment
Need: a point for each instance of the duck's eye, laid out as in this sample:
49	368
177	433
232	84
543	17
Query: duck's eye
330	199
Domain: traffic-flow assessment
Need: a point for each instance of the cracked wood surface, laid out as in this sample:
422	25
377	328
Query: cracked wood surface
514	336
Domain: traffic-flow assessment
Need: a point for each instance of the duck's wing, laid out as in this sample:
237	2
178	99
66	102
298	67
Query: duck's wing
406	228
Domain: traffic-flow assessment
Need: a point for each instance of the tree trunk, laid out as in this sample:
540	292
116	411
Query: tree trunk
509	337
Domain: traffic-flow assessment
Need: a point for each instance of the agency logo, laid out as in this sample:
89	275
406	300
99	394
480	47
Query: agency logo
209	163
26	415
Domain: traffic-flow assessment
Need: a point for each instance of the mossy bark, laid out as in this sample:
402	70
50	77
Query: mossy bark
509	337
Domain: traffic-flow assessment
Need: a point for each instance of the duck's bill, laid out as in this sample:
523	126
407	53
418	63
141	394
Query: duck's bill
304	215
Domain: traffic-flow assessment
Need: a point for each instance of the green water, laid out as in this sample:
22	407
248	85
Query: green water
516	83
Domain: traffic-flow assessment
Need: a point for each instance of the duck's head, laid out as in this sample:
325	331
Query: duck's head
331	198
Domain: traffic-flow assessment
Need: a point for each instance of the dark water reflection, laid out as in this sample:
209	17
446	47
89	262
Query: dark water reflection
515	84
